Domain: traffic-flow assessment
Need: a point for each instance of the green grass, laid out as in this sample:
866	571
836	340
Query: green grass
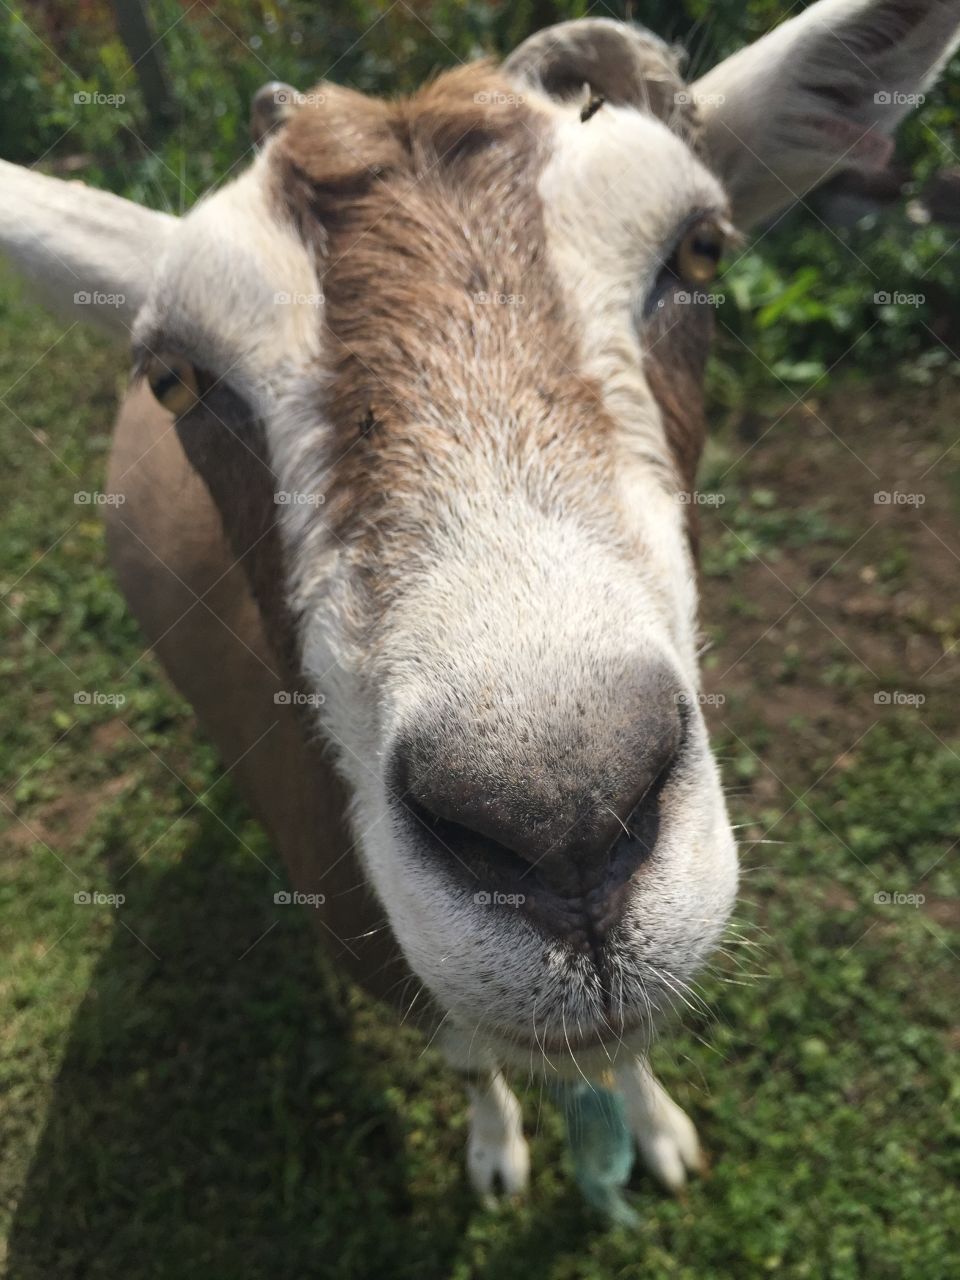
186	1089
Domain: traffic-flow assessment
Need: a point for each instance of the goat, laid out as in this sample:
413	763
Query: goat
416	401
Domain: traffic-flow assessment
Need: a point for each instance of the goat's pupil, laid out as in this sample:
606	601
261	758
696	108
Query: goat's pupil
163	385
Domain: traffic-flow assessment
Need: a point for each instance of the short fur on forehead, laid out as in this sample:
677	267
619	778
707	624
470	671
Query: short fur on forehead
445	330
343	139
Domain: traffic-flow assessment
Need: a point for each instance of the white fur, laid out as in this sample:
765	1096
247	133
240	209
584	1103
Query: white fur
238	291
614	195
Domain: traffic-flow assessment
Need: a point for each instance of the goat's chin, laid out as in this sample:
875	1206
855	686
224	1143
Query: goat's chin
534	1000
589	1054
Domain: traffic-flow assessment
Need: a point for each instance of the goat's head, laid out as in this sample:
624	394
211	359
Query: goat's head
438	362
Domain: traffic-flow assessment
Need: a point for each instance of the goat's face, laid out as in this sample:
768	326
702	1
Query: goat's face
497	597
463	331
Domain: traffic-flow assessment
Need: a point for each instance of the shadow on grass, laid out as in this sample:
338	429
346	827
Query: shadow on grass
214	1114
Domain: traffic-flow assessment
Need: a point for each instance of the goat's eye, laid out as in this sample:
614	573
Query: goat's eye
173	381
697	256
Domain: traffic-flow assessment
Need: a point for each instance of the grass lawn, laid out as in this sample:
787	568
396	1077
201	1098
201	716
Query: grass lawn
187	1090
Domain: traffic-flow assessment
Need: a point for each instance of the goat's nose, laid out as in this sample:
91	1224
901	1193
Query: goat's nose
560	830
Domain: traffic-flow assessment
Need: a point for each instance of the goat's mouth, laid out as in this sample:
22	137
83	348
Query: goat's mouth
584	1029
580	1043
585	1007
551	983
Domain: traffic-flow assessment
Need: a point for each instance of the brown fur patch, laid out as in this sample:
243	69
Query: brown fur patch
226	446
675	364
446	330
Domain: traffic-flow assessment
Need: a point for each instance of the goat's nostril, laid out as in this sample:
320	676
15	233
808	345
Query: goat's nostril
465	814
637	838
642	822
486	865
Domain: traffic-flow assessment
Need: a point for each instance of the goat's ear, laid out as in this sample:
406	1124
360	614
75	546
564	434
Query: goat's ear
820	93
89	255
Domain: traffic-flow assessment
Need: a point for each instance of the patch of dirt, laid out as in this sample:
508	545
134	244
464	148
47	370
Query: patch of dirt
837	898
109	735
66	820
945	911
816	643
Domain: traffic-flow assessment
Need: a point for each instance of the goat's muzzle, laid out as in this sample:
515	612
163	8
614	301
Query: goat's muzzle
559	830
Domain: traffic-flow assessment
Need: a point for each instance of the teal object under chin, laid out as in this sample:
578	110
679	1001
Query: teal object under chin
601	1146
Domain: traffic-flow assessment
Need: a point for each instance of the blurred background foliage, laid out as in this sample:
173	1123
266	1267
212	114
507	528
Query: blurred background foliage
799	304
